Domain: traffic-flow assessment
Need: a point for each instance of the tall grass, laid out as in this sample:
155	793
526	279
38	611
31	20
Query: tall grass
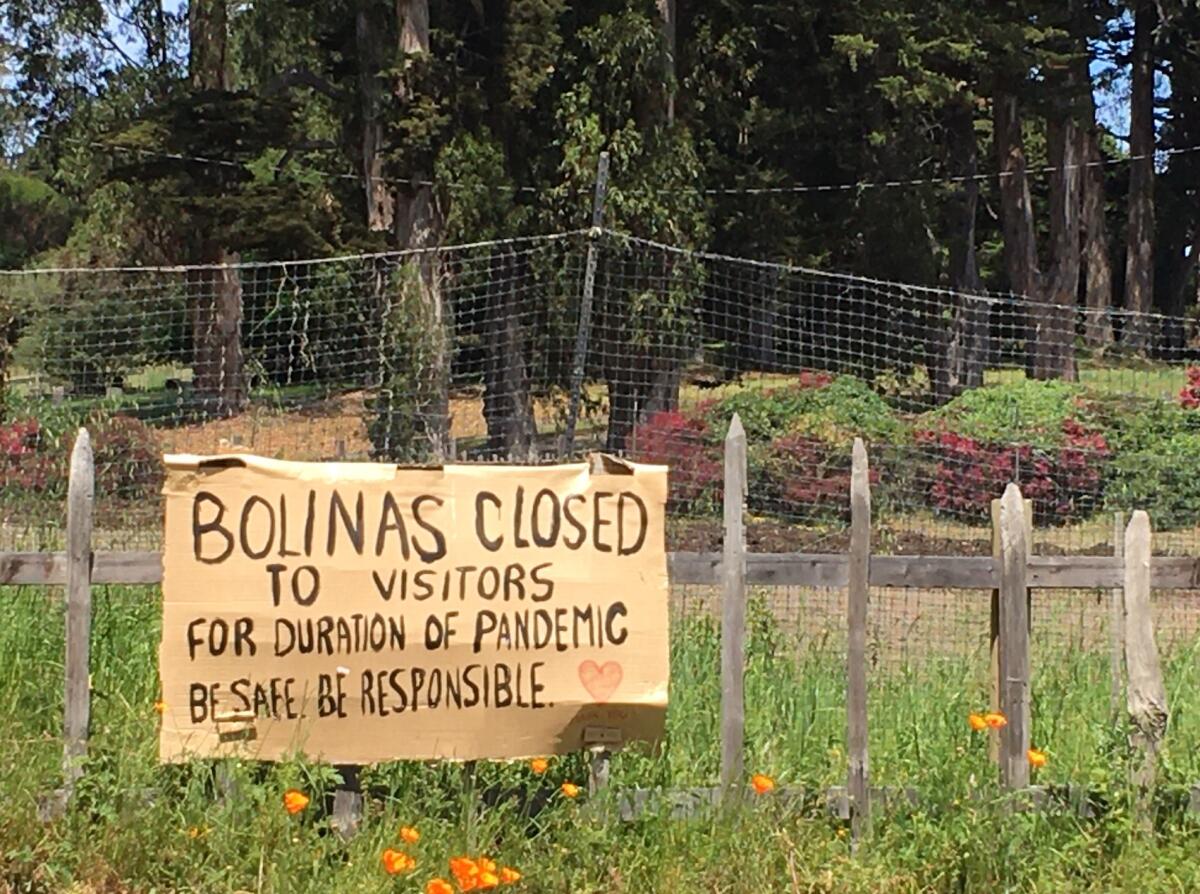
139	826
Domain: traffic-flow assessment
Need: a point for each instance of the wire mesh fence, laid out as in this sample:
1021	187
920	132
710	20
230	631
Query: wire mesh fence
468	353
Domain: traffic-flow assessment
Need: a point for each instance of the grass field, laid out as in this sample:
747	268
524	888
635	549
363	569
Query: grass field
138	826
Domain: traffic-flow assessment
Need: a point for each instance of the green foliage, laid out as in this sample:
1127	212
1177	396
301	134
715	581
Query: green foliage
33	218
309	324
835	413
74	318
400	415
483	204
140	825
1024	411
127	455
1156	451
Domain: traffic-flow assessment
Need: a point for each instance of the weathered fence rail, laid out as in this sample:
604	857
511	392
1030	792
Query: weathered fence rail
829	570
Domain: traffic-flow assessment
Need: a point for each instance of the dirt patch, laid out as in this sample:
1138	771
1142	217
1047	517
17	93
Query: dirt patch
320	431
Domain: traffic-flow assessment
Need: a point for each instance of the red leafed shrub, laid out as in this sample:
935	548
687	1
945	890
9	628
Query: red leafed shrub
1189	394
799	475
27	462
1064	482
813	379
128	457
683	443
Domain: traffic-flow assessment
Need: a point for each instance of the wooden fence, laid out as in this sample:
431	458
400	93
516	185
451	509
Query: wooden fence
1010	573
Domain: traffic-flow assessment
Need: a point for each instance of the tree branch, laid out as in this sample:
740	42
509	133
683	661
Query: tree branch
302	77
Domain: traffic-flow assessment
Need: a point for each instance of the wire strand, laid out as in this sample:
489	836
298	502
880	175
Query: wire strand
800	188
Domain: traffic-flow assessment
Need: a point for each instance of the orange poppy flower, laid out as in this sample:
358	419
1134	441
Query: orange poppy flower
509	876
294	801
978	722
995	719
539	765
465	872
160	707
570	789
438	886
762	783
409	835
488	880
395	862
1037	758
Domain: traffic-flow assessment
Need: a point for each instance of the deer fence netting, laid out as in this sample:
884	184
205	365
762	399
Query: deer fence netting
485	353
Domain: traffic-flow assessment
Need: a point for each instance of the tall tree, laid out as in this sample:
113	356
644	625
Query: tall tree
1139	247
960	360
1050	323
1177	191
1050	293
216	311
1097	264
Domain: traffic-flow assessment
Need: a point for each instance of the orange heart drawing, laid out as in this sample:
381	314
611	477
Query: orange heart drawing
600	680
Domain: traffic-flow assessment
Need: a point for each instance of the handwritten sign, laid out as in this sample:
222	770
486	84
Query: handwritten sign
358	612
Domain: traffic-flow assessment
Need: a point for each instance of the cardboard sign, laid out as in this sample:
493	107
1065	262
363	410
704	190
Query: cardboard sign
358	612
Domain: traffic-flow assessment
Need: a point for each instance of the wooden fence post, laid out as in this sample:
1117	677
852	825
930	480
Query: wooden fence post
78	703
733	613
1116	622
996	658
1147	697
1014	640
858	593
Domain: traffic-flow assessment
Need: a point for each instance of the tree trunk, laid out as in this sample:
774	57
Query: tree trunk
962	351
368	45
1183	271
1139	252
764	325
1054	356
416	223
216	302
507	403
1097	331
1016	215
208	67
1096	263
667	22
1050	300
217	328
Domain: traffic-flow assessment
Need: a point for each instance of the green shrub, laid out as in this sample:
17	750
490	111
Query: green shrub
1157	452
91	329
1048	436
799	438
309	324
128	457
1027	412
831	410
401	414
